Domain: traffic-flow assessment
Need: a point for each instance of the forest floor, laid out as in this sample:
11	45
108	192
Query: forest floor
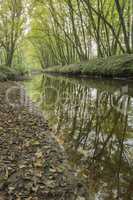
111	67
32	164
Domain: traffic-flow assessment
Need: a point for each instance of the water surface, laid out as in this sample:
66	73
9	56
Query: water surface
93	121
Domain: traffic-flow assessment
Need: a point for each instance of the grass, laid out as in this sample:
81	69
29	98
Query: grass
114	66
7	73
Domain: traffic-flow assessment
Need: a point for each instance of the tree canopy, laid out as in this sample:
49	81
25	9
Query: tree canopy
66	31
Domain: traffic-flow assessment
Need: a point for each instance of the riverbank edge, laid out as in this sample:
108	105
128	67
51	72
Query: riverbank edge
111	67
39	149
12	74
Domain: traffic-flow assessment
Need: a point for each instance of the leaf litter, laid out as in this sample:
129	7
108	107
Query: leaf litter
32	164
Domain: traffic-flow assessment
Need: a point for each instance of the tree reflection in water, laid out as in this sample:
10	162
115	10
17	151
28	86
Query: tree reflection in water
94	124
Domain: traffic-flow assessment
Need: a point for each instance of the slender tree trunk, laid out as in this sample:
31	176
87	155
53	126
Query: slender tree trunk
122	21
132	24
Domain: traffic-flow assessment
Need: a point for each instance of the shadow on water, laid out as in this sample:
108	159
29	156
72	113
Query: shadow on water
93	120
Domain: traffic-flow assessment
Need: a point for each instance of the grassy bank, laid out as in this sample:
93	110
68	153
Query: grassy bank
7	73
114	66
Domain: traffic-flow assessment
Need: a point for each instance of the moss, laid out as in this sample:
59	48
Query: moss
7	73
3	76
114	66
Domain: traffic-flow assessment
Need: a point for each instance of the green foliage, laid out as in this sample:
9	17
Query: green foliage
68	31
7	73
112	66
63	32
12	23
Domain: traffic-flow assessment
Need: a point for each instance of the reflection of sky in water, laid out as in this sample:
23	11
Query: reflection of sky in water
129	142
93	92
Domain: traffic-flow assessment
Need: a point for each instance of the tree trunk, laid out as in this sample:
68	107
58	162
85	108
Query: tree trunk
122	21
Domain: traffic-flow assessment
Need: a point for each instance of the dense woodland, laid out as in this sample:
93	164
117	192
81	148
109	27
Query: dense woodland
66	138
60	32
